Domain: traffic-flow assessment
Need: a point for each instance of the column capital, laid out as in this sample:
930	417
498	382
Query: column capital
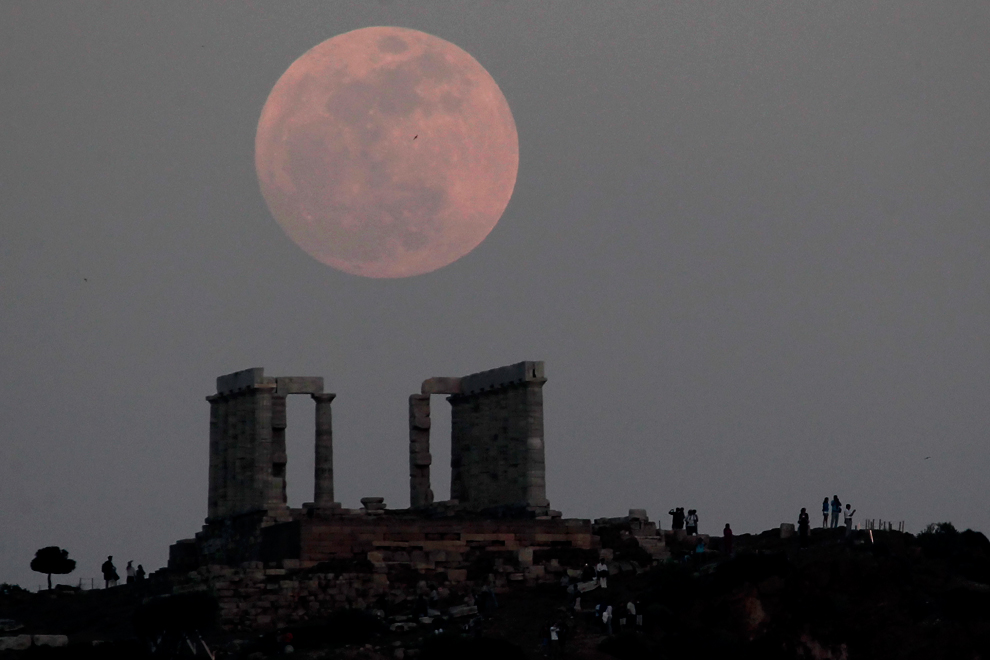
323	397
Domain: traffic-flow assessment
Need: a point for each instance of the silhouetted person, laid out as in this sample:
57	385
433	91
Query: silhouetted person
727	540
130	572
607	619
847	518
421	607
678	518
601	574
554	640
110	576
691	522
836	510
139	575
699	551
804	527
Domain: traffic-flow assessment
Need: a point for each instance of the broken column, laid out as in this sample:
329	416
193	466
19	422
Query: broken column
323	480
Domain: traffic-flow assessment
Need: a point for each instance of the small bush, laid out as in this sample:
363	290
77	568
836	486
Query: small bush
939	528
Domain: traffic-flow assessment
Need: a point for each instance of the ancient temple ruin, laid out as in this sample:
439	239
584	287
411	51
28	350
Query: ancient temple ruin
247	443
496	530
496	438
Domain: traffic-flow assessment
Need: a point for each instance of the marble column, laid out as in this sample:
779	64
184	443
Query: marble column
536	485
323	482
260	429
277	498
420	492
216	459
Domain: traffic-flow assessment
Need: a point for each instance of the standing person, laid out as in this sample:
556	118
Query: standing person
836	510
727	540
691	522
554	640
601	574
607	619
110	576
130	572
677	515
139	575
804	527
631	613
848	519
825	509
639	615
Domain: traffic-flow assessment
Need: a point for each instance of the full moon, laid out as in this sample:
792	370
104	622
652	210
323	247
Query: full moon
386	152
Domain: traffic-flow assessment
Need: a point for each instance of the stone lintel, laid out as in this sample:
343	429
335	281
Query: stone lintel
299	385
513	374
441	385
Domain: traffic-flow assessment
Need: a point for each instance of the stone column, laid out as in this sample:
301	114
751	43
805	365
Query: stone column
260	429
420	493
277	497
536	484
234	454
323	481
216	460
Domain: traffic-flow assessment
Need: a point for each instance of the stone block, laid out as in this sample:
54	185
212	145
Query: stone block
15	643
786	530
463	610
502	377
240	380
638	514
54	641
441	385
298	385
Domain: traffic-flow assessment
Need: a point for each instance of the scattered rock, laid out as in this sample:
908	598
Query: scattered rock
9	625
15	643
56	641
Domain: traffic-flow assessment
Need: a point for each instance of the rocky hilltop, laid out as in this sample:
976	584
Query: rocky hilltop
875	595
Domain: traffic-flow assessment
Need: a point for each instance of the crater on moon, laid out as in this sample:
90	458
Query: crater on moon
386	152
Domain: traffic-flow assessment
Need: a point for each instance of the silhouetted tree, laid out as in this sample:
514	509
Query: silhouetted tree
52	560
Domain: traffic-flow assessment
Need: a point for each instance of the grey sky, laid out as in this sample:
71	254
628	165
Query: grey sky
749	239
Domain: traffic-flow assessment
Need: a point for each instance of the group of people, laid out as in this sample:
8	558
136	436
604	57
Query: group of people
688	522
830	509
111	578
630	615
835	508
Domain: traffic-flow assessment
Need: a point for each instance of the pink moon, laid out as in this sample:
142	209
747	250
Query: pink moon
386	152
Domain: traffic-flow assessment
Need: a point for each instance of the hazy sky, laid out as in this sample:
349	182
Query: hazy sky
749	239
